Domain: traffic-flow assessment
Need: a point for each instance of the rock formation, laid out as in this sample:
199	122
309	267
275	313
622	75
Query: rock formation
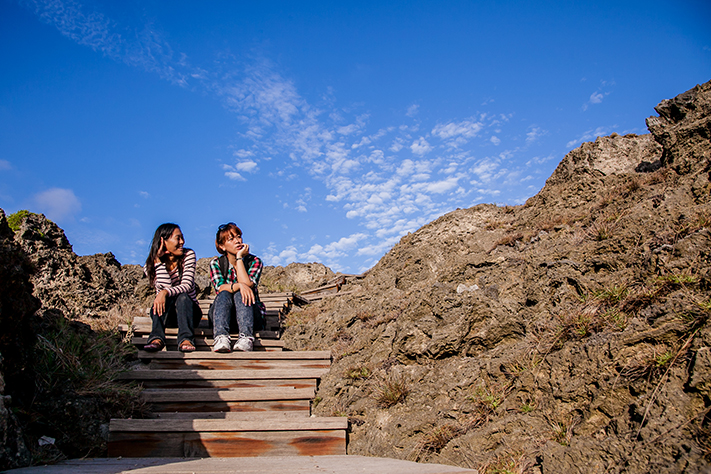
569	334
17	305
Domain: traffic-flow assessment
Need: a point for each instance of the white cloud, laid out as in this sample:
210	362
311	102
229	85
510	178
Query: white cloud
5	165
233	175
466	129
397	145
590	135
243	153
412	110
246	166
596	98
144	48
420	146
534	133
57	204
144	194
495	140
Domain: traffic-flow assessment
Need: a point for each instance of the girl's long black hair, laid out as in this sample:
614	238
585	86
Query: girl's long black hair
164	231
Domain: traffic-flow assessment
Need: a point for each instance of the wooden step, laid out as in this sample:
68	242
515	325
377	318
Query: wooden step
142	326
204	342
237	378
249	436
232	415
224	400
226	395
285	360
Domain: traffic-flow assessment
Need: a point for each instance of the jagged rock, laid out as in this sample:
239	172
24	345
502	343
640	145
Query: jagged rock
295	277
532	363
79	287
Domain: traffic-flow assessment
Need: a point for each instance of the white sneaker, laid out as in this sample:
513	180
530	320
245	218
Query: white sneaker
244	343
222	343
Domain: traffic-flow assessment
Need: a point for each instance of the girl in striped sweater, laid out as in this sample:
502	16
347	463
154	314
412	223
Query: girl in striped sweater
171	270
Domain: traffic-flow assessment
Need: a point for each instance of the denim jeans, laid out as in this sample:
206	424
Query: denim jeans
180	311
227	310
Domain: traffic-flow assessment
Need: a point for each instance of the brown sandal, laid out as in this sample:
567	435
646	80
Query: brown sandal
154	346
186	346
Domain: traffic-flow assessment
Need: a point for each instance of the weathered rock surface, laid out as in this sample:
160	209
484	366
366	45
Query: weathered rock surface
570	334
80	287
295	277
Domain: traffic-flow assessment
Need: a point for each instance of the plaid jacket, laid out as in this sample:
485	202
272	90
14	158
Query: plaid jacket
252	264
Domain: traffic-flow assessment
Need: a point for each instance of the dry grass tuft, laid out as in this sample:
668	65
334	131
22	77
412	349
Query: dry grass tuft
435	440
391	391
508	463
509	239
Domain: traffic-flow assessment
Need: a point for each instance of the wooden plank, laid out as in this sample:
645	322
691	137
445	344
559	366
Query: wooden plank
265	383
205	342
236	374
232	415
140	328
284	355
215	425
229	364
146	329
226	395
240	406
228	444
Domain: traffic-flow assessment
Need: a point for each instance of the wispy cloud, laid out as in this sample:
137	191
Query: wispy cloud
466	129
590	135
390	181
57	204
143	48
5	165
533	134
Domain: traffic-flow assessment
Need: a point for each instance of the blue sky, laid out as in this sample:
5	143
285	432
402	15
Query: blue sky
326	130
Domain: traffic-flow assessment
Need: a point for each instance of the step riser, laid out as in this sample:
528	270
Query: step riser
197	364
232	415
177	384
245	406
225	444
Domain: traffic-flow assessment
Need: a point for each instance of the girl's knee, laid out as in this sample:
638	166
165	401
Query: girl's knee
182	297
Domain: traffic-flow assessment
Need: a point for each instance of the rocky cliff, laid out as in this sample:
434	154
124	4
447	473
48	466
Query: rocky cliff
569	334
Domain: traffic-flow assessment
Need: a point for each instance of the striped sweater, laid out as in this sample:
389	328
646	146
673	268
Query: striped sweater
173	283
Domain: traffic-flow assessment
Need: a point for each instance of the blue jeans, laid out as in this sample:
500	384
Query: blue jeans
180	311
227	310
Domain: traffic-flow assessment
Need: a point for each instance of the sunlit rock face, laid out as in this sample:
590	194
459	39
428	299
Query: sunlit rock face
570	331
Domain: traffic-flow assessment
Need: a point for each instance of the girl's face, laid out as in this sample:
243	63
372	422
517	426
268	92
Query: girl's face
174	244
233	242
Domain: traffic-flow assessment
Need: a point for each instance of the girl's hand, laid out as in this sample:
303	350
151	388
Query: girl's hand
247	294
159	303
242	250
162	250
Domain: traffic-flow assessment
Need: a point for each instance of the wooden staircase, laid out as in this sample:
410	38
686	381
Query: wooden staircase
205	404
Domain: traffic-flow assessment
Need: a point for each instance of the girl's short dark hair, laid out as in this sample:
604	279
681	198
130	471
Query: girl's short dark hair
222	232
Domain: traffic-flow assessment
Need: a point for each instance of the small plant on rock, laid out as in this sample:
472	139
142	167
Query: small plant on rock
391	391
507	463
358	373
435	440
